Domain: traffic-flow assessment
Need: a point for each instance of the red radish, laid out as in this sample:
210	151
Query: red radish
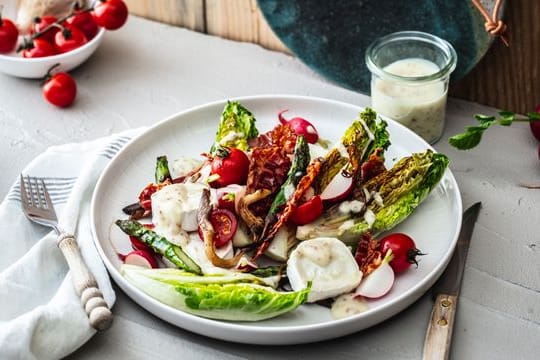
535	125
379	282
141	258
137	244
338	189
226	251
301	127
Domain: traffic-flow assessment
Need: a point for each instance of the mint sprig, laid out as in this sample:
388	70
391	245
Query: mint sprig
472	135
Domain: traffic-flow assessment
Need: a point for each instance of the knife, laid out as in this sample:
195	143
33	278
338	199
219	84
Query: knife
446	291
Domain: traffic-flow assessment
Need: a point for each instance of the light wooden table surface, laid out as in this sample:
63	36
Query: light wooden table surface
148	71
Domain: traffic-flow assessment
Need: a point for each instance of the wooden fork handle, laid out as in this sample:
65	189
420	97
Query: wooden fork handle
85	284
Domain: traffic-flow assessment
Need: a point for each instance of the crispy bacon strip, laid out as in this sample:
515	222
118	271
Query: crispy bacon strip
312	171
373	166
367	254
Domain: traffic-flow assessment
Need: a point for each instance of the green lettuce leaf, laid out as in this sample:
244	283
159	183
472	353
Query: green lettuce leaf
401	189
213	296
236	127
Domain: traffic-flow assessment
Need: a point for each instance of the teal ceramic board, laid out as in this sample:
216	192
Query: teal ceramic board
331	36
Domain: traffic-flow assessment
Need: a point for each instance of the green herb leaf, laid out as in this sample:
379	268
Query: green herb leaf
473	134
484	118
468	139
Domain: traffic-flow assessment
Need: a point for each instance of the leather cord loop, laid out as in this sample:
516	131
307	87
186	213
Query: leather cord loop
493	25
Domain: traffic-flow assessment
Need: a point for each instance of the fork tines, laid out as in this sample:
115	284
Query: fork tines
34	193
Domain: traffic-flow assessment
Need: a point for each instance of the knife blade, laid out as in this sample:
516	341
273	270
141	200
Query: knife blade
446	291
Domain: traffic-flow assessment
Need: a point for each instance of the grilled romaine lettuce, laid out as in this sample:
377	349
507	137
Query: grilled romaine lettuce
236	127
359	141
238	297
390	198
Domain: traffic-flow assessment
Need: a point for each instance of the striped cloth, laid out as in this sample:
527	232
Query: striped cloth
41	316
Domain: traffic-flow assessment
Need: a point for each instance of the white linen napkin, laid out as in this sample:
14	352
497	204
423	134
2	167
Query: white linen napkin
41	316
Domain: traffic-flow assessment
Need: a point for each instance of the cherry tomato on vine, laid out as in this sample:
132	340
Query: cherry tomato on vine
8	35
70	38
229	166
60	89
110	14
308	211
224	223
403	249
40	48
85	22
40	23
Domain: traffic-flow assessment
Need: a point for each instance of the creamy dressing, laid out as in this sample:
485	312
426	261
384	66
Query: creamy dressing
347	305
183	166
174	208
231	137
421	107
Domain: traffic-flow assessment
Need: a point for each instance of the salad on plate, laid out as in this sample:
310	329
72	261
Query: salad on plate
263	222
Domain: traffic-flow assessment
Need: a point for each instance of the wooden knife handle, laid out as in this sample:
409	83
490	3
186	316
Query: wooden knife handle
441	324
85	284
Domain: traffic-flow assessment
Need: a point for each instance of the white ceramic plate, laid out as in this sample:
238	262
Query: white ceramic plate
434	225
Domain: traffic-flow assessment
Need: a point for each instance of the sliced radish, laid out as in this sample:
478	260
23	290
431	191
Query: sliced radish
141	258
338	189
226	251
379	282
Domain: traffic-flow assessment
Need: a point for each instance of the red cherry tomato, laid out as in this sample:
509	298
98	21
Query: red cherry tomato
70	38
308	211
8	35
40	48
40	23
60	89
229	166
226	201
224	223
110	14
85	22
404	251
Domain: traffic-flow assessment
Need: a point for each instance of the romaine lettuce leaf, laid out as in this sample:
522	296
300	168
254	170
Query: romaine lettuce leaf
226	298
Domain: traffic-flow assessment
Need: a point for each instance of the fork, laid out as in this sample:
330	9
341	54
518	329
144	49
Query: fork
38	207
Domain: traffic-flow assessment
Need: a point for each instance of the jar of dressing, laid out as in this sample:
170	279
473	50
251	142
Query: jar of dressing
409	82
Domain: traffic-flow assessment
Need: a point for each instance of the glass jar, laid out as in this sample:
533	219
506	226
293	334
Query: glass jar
410	71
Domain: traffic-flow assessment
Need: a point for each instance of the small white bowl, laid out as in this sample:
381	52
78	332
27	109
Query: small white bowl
14	64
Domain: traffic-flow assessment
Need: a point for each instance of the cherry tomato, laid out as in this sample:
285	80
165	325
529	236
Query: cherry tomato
145	196
40	23
308	211
60	89
225	224
85	22
40	48
404	251
8	35
226	201
110	14
70	38
229	166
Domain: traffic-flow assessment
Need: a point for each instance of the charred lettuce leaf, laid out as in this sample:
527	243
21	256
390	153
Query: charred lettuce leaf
390	198
236	127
